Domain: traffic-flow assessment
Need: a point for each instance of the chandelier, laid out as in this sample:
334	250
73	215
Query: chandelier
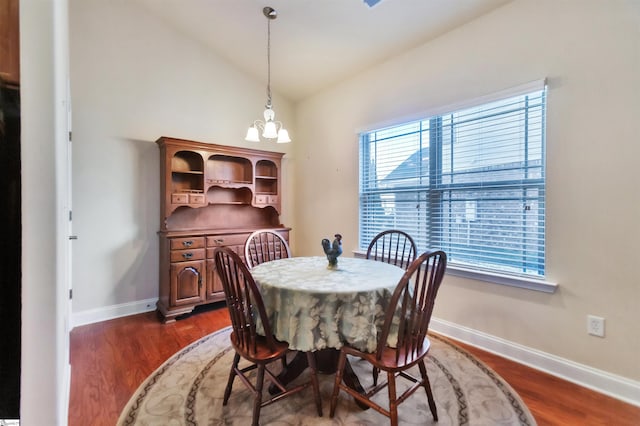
271	129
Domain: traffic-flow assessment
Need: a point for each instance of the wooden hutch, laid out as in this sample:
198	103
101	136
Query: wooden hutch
211	196
10	42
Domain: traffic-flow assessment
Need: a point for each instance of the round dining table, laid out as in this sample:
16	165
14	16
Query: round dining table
314	307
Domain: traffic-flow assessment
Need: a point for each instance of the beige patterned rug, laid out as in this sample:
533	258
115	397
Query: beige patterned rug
188	389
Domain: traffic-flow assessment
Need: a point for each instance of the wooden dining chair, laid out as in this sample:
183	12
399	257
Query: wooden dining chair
393	246
245	305
409	311
265	245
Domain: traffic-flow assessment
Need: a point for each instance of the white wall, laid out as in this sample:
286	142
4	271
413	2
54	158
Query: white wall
590	53
133	80
45	343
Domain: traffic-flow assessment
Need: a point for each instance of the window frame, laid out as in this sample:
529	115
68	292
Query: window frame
436	188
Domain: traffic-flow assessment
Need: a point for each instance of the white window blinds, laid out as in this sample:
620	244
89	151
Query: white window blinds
470	182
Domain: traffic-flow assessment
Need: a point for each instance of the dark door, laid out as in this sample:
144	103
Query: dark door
10	251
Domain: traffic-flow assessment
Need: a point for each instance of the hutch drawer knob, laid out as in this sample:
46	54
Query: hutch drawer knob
187	255
187	243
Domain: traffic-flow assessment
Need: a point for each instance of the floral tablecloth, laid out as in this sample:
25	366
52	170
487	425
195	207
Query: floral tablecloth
313	307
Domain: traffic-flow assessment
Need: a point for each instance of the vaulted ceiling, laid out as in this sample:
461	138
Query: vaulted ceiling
314	43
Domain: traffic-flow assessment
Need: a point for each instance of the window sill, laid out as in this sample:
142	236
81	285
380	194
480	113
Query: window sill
512	281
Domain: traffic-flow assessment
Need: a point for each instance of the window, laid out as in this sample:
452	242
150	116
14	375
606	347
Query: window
470	182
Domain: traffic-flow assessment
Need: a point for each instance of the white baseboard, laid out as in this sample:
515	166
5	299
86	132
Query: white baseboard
600	381
110	312
63	408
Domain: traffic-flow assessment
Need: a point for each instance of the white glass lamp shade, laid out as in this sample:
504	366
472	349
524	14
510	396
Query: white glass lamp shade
283	136
252	134
270	131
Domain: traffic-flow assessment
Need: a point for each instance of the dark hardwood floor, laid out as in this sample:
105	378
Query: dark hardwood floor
110	359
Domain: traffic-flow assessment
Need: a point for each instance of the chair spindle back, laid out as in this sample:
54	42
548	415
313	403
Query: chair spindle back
393	246
265	245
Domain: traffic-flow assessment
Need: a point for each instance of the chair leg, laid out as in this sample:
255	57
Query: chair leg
376	371
311	359
427	387
342	360
393	402
257	402
232	375
284	359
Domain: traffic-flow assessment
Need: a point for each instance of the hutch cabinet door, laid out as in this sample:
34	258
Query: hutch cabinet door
214	284
186	283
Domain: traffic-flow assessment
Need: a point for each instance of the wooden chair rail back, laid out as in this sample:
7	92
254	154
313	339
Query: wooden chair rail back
265	245
393	246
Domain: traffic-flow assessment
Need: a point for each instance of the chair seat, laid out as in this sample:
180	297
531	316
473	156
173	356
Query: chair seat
388	360
263	352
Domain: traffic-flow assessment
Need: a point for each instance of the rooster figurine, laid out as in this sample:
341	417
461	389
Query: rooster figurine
333	250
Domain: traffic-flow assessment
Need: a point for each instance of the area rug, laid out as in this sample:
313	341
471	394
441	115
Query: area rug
188	390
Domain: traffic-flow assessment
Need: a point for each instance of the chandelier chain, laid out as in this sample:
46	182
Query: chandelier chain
268	63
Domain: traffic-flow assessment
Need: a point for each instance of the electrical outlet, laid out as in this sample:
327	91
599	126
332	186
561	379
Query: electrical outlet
595	325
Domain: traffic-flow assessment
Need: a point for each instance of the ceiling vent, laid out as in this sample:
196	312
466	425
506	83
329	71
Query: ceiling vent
372	3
